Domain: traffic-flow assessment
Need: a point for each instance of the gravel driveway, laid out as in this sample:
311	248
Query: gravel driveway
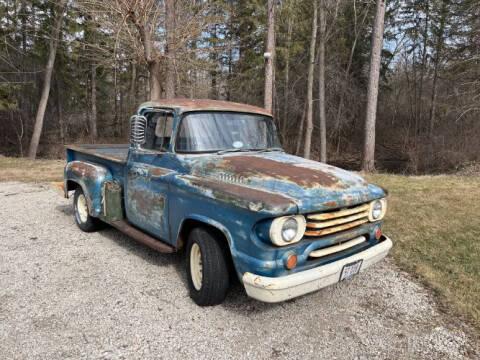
67	294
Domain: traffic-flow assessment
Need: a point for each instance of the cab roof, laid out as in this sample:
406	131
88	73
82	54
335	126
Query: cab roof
185	105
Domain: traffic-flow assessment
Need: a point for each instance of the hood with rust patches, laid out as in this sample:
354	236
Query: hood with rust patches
312	185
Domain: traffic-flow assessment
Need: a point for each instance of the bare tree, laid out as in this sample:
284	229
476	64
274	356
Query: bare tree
93	95
142	14
133	88
357	31
287	76
436	63
270	56
170	49
47	80
368	163
321	83
311	64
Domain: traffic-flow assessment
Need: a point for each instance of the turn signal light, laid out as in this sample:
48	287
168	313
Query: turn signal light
291	262
378	233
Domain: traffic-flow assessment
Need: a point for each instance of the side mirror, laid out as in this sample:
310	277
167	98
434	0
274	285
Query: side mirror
138	125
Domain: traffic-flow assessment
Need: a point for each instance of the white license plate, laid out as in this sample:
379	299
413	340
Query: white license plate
350	270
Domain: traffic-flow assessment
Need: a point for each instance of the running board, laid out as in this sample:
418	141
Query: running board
142	237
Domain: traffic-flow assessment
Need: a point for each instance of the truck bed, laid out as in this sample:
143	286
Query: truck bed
111	152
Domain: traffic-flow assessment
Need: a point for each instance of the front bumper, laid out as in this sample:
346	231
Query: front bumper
276	289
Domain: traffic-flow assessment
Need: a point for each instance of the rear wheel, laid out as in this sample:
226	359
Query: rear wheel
207	270
83	219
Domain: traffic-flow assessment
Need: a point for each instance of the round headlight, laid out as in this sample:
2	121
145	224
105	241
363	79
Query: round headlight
287	230
378	208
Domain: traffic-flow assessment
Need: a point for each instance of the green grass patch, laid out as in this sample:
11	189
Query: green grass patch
434	222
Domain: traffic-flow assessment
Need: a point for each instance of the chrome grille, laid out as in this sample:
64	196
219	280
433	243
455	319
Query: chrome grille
326	223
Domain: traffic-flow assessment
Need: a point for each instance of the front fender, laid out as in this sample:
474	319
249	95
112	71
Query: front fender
90	177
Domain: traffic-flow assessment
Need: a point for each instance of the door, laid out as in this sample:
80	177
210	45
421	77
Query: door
148	173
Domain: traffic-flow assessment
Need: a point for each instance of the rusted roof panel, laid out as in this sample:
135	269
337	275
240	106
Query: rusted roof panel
185	105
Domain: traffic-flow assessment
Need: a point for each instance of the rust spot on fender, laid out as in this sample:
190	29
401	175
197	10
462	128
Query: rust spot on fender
159	172
244	196
83	169
331	204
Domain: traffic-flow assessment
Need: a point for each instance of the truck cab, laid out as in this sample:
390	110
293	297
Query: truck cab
211	178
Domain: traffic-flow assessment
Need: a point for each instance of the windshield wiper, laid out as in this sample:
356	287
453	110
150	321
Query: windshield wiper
248	150
235	150
270	149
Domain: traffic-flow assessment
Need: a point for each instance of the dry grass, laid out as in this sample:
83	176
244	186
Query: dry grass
21	169
434	222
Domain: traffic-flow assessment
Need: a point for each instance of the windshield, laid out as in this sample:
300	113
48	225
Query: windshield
226	131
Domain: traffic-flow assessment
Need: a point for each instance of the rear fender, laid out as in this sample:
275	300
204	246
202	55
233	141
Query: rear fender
90	177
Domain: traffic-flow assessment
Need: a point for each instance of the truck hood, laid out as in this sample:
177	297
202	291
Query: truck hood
311	185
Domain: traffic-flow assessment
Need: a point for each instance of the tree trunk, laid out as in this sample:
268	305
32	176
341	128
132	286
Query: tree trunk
213	94
287	78
47	80
368	163
154	79
133	89
300	130
321	83
23	19
151	58
170	49
311	64
270	56
61	124
93	94
438	50
357	31
424	63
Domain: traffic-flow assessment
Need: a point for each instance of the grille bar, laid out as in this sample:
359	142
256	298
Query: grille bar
331	222
335	229
325	224
340	213
337	248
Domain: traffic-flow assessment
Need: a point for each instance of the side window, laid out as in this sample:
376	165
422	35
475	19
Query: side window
159	131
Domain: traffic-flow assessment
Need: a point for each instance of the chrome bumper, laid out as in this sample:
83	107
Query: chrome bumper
276	289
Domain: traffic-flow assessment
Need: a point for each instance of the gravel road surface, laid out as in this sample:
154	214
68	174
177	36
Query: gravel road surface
65	294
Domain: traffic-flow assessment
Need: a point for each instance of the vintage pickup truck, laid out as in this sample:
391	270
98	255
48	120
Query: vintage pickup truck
210	177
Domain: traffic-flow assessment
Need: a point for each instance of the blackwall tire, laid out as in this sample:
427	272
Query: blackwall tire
205	253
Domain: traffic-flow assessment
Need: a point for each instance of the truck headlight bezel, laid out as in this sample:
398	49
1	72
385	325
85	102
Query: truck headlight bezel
280	230
377	210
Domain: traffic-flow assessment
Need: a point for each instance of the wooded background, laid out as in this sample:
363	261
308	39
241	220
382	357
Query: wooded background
87	64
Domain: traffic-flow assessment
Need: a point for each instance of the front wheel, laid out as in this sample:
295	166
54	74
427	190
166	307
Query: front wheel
83	219
207	270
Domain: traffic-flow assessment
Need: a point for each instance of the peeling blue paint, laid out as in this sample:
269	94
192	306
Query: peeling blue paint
239	194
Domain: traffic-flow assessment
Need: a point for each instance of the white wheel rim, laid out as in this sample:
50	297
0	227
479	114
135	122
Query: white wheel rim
196	266
82	209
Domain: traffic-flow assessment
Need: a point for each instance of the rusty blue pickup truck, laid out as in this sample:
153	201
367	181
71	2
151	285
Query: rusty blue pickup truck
210	178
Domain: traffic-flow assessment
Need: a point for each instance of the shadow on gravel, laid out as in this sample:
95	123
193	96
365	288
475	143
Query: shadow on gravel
177	260
65	209
236	301
144	252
